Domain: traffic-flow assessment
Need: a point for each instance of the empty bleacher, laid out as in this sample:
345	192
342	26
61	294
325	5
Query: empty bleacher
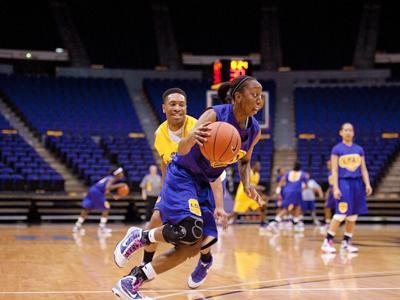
75	115
21	166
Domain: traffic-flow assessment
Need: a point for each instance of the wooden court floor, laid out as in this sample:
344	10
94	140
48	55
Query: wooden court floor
48	262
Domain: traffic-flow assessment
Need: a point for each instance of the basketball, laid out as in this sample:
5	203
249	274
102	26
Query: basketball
123	190
223	144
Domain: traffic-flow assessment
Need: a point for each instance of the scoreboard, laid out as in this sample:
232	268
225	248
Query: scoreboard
228	69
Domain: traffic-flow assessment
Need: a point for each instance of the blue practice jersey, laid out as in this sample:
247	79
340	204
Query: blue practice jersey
102	183
294	181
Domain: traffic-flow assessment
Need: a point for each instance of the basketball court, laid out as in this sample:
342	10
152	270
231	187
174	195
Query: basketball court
49	262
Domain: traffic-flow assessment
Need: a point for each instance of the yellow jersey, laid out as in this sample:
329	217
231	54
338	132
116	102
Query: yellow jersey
244	202
163	143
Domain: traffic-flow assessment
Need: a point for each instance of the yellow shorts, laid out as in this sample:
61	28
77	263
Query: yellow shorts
243	203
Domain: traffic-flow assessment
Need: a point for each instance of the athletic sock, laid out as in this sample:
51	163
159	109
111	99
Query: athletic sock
79	222
148	256
103	222
330	236
347	237
206	258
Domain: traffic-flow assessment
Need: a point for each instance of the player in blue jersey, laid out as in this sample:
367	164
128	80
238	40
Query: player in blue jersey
95	199
350	187
293	183
192	193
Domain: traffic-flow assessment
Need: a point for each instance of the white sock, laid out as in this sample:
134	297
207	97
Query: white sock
79	222
152	233
103	222
149	271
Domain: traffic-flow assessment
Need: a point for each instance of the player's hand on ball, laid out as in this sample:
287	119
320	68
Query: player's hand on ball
368	190
337	194
221	216
201	133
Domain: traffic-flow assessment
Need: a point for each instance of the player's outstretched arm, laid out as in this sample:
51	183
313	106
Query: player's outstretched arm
244	172
220	214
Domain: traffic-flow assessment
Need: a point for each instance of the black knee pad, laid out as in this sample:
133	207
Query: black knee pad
187	232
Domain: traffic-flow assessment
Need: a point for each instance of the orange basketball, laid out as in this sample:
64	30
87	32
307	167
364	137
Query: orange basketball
123	190
224	143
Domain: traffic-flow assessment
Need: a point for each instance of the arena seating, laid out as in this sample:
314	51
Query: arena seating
372	110
81	113
21	167
133	154
76	106
82	155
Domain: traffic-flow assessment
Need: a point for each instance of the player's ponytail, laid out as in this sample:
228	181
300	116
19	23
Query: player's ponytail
223	93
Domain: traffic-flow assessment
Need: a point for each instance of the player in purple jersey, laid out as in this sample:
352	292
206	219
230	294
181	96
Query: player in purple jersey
191	192
293	183
350	187
96	199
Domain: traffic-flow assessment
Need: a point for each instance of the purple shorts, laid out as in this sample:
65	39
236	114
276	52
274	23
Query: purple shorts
353	201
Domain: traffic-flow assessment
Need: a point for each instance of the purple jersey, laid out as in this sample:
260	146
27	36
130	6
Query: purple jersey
101	184
199	167
294	181
349	158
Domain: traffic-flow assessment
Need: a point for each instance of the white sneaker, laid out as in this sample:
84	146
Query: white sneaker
327	247
348	247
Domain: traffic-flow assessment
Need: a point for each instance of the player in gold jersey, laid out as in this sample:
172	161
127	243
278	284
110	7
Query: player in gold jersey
243	202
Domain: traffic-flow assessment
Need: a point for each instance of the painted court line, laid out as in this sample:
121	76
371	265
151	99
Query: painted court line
224	288
328	277
206	290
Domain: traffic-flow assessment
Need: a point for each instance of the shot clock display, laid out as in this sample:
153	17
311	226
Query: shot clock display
227	70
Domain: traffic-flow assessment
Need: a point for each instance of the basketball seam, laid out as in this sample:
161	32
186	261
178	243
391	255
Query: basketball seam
229	145
204	148
215	138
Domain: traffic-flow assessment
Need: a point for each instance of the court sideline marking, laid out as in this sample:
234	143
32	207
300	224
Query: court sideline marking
223	288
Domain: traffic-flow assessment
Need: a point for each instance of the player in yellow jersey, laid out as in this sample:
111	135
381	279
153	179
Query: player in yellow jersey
243	203
166	140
